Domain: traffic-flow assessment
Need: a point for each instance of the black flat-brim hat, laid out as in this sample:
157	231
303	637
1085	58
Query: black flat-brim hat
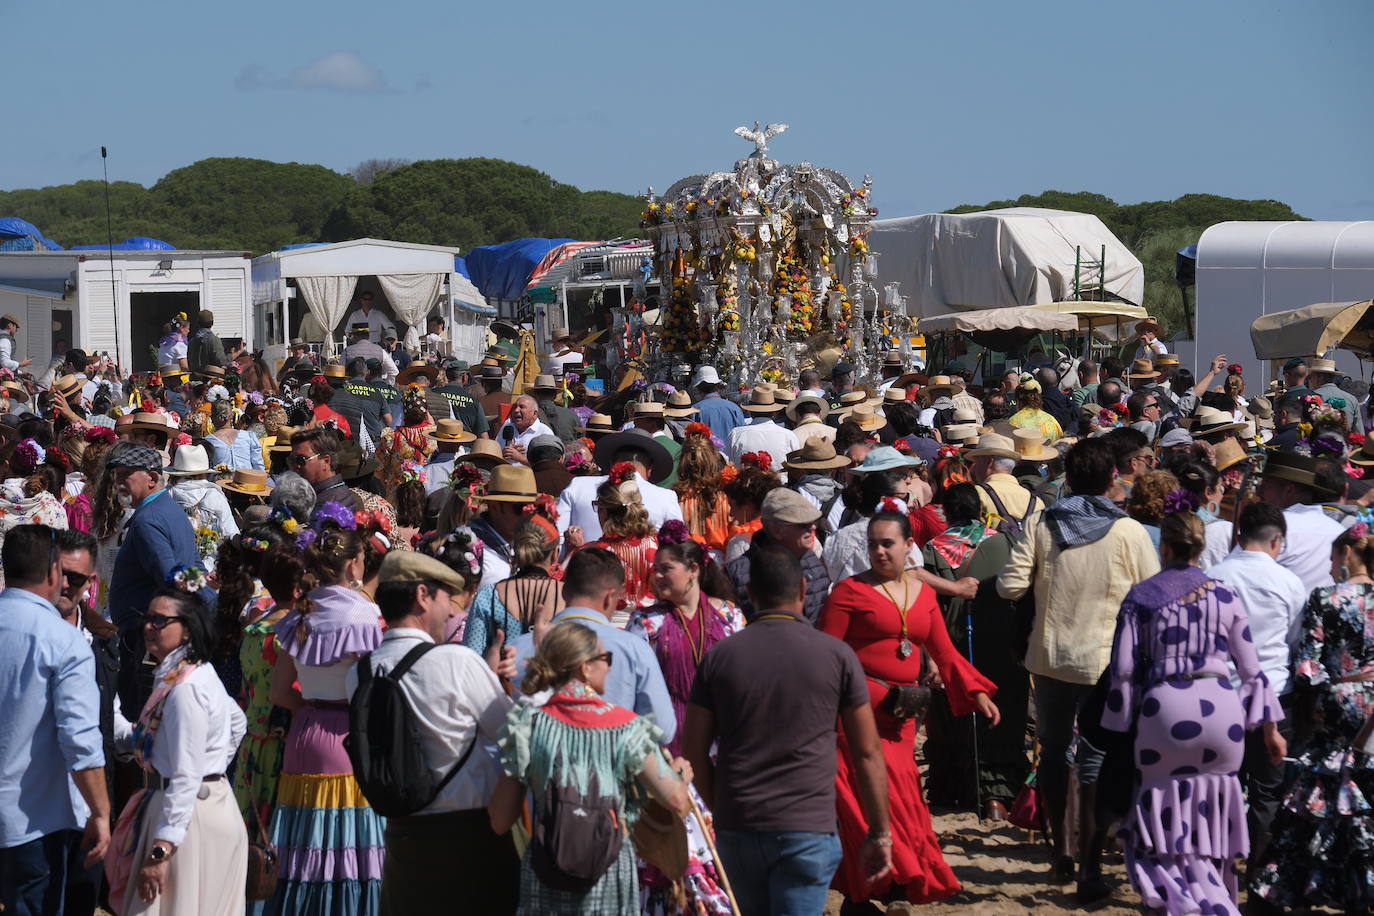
607	446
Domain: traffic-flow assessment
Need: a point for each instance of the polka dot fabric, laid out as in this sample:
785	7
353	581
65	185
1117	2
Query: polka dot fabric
1175	635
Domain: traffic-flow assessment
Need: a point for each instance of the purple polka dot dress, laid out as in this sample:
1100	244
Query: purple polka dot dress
1175	634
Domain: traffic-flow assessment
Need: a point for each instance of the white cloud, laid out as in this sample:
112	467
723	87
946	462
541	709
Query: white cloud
338	71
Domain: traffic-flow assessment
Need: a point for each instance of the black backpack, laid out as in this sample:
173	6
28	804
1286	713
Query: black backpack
383	741
1013	528
575	838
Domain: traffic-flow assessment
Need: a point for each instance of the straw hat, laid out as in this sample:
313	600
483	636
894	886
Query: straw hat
1228	453
544	383
866	418
894	395
646	410
939	383
449	431
1142	368
283	441
68	386
511	483
892	359
679	406
995	445
848	401
16	388
485	453
1166	361
1149	323
148	422
1030	446
190	461
1364	457
1321	364
211	372
960	432
797	403
247	481
598	424
761	400
1209	421
419	367
784	396
334	370
816	454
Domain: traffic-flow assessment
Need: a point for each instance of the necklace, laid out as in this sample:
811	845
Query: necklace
904	646
698	644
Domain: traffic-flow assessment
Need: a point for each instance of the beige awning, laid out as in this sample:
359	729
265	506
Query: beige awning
1026	318
1314	329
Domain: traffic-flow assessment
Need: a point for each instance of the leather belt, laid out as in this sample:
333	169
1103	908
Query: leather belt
152	779
1366	675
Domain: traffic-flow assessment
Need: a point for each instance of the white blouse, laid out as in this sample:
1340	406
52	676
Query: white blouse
200	733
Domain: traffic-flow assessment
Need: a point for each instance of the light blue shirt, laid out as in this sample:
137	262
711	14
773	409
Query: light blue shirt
634	680
51	724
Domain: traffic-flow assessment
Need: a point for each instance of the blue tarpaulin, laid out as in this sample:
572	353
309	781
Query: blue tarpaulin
501	271
460	266
16	230
133	243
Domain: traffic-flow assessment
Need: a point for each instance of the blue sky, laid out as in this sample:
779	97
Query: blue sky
943	103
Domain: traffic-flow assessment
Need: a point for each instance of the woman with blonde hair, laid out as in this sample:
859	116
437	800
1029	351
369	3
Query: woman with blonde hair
1031	414
627	532
1146	504
328	838
700	489
577	740
230	446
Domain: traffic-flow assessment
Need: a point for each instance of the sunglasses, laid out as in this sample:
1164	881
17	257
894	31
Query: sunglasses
300	461
75	579
160	621
607	657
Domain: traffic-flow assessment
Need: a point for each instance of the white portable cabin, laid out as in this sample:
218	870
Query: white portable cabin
1249	269
310	290
951	262
118	305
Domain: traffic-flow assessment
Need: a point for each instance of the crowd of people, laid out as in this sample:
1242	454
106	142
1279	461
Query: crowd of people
377	634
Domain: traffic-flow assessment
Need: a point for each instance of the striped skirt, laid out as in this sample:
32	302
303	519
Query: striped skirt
329	842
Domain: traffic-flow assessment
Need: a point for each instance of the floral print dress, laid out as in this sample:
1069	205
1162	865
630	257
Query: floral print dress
260	754
1322	852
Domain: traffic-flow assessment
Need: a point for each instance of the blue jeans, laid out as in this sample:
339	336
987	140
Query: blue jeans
1056	709
779	874
33	875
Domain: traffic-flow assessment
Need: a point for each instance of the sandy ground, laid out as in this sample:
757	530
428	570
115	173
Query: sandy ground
1003	873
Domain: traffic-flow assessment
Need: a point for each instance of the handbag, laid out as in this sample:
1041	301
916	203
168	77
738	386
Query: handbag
261	882
119	861
906	701
660	838
1028	809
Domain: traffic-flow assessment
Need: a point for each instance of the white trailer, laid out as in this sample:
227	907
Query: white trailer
309	290
118	304
1249	269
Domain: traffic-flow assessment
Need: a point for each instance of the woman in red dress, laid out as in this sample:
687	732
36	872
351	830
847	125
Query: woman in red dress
887	616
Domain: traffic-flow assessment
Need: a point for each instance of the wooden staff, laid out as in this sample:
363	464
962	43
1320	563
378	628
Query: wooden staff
707	832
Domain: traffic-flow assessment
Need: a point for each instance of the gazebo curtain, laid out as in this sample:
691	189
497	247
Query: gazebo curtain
411	297
328	299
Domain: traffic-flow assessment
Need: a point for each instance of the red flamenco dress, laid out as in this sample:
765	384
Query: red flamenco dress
868	620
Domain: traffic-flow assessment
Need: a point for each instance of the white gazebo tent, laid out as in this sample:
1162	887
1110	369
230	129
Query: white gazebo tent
309	290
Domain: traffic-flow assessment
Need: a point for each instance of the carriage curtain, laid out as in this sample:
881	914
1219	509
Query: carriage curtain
411	297
328	299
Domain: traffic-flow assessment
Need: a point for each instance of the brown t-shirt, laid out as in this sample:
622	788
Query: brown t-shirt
776	690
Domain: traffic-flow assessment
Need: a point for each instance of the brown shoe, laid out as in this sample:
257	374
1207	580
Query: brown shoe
994	811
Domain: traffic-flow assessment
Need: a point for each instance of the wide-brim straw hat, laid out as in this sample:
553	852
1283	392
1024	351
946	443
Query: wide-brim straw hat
449	431
1142	368
660	458
334	371
1166	361
960	432
189	461
511	483
1320	364
1030	446
1209	421
282	443
598	424
939	383
248	481
907	379
821	404
67	386
866	419
646	410
679	406
15	387
544	383
406	375
1228	453
816	454
484	452
148	422
211	372
848	401
995	445
1148	323
1365	456
761	400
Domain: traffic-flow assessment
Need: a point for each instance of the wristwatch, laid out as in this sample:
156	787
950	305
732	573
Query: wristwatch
159	853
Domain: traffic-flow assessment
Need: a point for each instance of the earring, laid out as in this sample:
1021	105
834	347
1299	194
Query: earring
1343	573
356	584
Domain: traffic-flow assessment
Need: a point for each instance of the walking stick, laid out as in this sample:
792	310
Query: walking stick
707	832
977	766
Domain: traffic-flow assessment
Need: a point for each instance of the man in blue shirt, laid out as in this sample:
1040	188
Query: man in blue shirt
158	542
593	587
51	729
716	412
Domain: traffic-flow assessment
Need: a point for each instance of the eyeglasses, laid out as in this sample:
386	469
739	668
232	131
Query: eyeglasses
607	657
160	621
300	461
